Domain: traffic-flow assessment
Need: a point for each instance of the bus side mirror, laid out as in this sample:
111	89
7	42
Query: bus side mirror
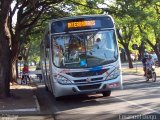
119	33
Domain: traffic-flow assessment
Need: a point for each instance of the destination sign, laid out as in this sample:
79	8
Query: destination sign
80	24
83	23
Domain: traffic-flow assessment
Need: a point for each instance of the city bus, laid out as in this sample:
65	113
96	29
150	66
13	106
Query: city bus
79	55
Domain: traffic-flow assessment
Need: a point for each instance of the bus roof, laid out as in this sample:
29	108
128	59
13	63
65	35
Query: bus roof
80	16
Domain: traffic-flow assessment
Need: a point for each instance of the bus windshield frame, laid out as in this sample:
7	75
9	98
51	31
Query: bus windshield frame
82	50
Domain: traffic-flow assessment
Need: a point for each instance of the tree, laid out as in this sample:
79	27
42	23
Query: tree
4	48
143	15
27	16
149	24
28	13
120	10
34	35
146	15
127	25
83	7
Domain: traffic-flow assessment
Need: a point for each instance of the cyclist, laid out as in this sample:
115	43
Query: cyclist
25	72
144	62
149	63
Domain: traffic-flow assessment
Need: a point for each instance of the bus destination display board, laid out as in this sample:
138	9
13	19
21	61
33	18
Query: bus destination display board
81	24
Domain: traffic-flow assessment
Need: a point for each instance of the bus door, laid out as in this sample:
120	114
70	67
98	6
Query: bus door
47	70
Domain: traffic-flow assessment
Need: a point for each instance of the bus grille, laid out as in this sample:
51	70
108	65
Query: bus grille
88	73
84	81
89	87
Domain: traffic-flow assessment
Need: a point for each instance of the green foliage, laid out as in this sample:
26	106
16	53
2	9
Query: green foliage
75	7
129	15
83	7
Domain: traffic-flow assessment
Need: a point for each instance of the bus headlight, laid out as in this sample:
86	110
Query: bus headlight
153	66
63	80
114	74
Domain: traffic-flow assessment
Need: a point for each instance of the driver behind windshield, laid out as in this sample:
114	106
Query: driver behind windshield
100	49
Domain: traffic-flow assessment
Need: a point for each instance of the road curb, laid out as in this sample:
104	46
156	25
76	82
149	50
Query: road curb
20	110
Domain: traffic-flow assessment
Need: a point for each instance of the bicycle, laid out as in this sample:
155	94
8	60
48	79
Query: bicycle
25	78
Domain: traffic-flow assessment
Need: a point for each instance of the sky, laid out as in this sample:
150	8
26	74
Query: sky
15	16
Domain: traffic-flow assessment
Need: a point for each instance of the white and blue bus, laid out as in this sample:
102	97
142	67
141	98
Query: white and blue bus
80	55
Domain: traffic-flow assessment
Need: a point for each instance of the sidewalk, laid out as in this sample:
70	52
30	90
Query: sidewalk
22	100
137	70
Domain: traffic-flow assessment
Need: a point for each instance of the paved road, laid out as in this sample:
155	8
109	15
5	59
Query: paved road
138	97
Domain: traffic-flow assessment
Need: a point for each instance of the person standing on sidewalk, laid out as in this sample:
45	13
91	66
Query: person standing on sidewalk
25	72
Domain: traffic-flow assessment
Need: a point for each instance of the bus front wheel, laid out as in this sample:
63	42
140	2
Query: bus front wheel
58	98
46	88
106	93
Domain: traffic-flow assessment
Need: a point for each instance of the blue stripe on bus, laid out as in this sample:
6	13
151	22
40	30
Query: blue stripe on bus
96	68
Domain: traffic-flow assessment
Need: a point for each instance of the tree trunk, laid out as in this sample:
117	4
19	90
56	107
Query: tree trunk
4	50
13	68
17	70
4	66
14	56
129	58
141	51
13	72
125	45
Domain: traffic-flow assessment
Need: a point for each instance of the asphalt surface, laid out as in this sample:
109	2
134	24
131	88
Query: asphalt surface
138	100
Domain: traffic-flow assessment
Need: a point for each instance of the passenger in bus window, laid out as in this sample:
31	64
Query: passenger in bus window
58	52
60	43
73	50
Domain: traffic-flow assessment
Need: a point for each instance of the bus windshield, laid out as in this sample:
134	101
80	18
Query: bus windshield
89	49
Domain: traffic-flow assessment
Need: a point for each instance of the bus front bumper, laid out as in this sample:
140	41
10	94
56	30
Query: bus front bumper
90	88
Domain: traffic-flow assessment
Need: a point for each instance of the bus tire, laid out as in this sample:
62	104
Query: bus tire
106	93
46	88
58	98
